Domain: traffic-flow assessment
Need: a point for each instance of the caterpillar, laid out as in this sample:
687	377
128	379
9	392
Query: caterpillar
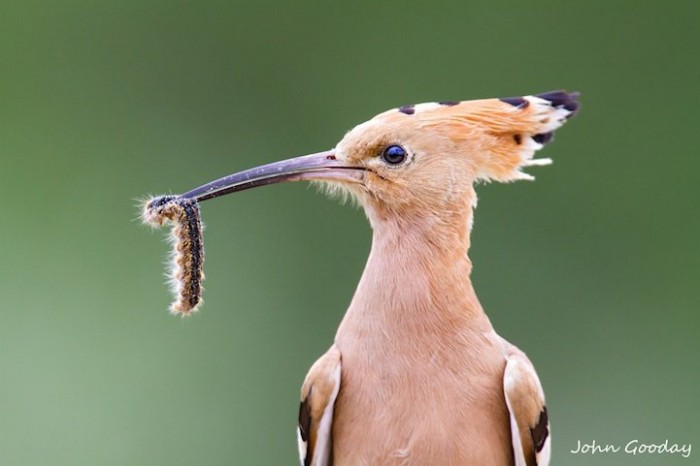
187	262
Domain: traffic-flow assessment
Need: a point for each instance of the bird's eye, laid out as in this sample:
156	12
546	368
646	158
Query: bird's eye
394	155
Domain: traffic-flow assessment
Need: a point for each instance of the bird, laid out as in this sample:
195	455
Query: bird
416	374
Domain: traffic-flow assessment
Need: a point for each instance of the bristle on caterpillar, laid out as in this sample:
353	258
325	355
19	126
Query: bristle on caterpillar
186	273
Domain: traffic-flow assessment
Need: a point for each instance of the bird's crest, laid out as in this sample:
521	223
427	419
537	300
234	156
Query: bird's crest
500	136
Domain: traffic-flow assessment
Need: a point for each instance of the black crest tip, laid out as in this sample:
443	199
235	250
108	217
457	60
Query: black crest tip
518	102
562	99
543	138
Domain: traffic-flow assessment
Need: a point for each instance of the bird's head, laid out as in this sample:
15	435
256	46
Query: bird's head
422	160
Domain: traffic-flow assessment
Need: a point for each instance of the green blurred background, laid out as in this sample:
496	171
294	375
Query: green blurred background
593	269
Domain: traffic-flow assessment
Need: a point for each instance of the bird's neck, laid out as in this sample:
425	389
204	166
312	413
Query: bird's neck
416	280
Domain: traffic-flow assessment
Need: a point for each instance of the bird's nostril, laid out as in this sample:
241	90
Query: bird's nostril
330	157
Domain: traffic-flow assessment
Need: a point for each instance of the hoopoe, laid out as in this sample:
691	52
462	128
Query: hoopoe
417	375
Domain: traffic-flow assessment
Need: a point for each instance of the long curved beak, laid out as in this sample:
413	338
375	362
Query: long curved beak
321	166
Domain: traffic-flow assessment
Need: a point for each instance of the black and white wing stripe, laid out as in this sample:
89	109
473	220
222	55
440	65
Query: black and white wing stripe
529	422
318	395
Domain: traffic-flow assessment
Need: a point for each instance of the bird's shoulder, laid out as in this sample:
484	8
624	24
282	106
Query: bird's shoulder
318	395
529	420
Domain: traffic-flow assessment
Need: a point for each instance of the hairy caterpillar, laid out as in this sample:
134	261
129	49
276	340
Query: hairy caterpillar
186	272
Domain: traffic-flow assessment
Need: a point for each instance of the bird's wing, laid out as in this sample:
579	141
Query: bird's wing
529	423
318	396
